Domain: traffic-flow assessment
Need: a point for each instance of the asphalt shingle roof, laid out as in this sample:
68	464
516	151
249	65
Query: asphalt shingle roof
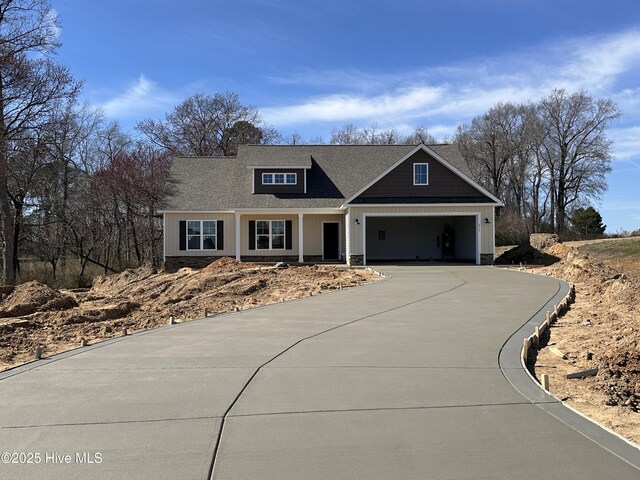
337	172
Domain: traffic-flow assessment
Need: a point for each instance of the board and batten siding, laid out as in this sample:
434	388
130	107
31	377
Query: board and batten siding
172	234
486	233
313	232
244	235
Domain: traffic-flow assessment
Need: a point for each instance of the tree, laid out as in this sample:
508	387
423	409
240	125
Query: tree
587	221
349	134
492	143
30	84
197	126
576	149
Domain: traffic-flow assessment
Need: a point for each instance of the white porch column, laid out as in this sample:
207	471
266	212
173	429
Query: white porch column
300	238
347	233
237	236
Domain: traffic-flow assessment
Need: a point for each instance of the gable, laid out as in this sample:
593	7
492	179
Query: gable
444	185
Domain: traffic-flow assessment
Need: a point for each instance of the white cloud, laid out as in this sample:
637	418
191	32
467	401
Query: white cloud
403	102
460	91
142	98
626	142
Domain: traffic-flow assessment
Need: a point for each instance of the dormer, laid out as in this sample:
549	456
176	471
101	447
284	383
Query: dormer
277	174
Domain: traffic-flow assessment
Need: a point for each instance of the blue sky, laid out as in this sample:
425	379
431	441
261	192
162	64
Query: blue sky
311	66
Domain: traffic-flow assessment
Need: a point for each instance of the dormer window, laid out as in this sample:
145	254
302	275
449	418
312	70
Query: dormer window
279	178
421	174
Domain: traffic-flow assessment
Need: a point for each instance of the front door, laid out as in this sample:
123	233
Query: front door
331	241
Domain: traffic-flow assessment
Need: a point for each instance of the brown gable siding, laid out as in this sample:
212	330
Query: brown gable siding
278	188
443	184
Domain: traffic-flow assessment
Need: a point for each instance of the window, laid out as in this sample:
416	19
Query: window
279	178
201	235
421	174
270	234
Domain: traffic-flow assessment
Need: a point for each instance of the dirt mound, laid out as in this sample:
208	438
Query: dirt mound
119	281
542	241
223	265
34	297
142	298
524	253
602	329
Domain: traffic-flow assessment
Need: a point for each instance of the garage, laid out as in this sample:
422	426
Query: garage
422	238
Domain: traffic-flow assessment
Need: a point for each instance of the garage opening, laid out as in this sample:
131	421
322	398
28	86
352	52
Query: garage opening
421	239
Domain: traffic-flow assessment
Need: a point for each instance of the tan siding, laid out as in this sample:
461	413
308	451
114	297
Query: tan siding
172	234
486	233
244	234
313	232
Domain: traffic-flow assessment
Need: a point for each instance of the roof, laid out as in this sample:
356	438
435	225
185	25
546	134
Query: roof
260	156
336	173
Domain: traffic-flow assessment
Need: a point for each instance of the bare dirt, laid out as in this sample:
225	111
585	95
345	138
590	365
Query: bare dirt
33	314
601	330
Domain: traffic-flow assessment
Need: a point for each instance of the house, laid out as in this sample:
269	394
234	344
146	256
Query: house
357	204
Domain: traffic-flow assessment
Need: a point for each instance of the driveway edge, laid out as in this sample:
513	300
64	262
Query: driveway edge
511	364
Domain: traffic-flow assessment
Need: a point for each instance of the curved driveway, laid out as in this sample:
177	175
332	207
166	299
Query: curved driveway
398	379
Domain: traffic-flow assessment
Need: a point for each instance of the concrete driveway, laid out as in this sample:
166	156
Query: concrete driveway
406	378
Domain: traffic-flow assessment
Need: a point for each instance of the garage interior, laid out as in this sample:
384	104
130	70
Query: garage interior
421	238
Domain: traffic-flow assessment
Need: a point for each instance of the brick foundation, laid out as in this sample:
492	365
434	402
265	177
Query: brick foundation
356	260
172	264
486	259
270	259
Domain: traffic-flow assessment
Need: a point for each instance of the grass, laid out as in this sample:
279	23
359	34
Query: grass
623	254
67	274
619	248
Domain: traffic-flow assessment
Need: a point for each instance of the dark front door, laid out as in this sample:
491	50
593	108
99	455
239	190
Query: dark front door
331	241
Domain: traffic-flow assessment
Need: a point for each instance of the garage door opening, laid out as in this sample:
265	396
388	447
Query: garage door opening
422	239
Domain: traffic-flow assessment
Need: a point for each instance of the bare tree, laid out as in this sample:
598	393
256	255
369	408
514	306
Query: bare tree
349	134
29	87
576	149
197	126
490	144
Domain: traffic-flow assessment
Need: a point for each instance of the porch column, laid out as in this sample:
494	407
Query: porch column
347	236
237	236
300	238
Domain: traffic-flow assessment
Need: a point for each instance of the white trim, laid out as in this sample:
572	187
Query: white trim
339	239
196	212
347	236
409	205
201	235
270	234
237	229
300	237
436	157
420	214
253	182
493	226
278	167
291	211
414	174
164	238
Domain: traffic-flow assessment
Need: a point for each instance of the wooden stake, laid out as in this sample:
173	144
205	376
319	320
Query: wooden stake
124	332
38	353
548	319
172	320
206	312
536	335
525	349
544	380
83	342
